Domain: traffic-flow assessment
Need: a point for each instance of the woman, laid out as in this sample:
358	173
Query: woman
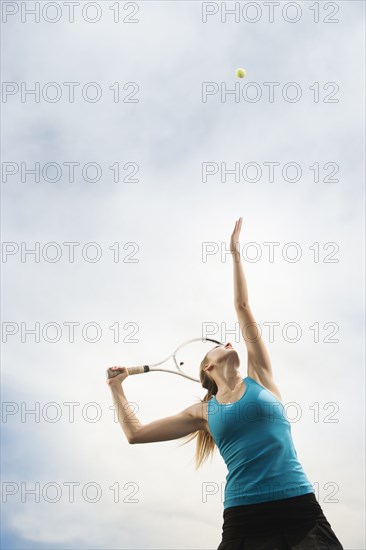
269	501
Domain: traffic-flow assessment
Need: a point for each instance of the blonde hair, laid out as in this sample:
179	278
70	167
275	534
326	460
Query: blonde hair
205	445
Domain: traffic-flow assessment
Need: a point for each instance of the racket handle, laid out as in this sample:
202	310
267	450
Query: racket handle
138	370
131	370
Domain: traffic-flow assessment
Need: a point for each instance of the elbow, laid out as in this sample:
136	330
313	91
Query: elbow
241	305
132	440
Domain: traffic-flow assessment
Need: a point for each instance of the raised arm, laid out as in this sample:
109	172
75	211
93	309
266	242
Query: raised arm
172	427
259	363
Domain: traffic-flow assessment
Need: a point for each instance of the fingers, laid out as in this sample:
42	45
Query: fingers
116	374
113	372
238	225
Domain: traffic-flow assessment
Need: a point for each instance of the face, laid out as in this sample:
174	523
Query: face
220	354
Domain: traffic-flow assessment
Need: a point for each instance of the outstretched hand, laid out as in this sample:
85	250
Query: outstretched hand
234	242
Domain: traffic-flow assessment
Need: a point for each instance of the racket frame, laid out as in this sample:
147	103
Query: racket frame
141	369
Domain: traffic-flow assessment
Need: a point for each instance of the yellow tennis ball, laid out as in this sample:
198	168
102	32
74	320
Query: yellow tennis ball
240	73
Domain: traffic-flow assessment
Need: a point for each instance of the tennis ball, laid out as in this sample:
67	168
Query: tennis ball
240	73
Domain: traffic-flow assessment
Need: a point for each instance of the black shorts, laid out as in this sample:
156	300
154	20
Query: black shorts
296	523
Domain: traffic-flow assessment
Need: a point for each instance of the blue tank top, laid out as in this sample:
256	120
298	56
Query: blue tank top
254	438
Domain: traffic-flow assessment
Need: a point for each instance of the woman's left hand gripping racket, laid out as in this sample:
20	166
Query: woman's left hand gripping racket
186	358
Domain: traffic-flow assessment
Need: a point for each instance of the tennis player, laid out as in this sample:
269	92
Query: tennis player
269	501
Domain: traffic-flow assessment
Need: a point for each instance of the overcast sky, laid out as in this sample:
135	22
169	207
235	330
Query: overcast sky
164	118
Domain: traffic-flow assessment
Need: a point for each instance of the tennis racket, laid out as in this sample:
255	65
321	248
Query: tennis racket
186	358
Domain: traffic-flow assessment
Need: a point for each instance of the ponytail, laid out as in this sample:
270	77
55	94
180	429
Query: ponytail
205	445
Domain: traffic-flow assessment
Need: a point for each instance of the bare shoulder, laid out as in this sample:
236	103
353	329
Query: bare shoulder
199	411
265	380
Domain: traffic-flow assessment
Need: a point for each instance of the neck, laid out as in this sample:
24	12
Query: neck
228	380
